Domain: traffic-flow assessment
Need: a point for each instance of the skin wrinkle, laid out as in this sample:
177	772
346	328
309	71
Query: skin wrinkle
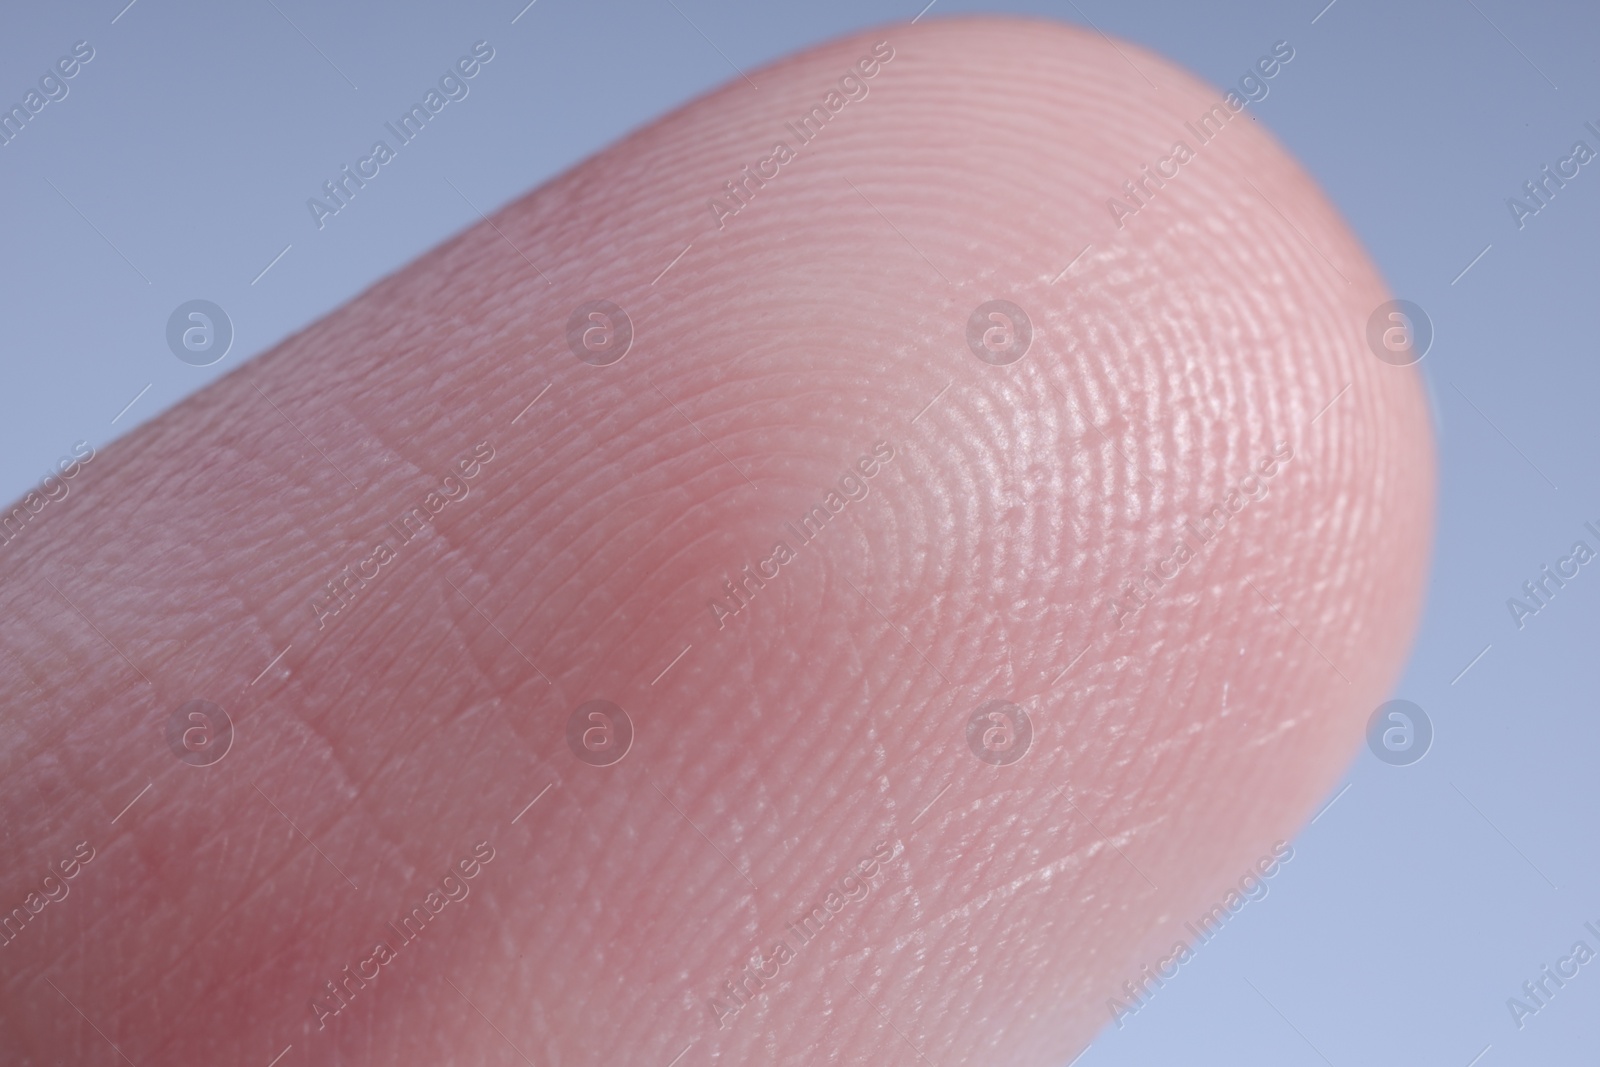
795	738
1078	857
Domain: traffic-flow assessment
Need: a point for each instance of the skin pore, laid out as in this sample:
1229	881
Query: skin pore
499	523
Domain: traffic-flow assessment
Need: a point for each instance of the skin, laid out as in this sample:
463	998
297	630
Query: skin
1173	744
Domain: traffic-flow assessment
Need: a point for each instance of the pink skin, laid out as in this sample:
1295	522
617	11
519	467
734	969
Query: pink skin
989	555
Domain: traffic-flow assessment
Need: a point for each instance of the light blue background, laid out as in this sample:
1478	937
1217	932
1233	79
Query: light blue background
1406	919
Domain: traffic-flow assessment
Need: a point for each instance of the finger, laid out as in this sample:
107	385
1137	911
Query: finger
803	532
